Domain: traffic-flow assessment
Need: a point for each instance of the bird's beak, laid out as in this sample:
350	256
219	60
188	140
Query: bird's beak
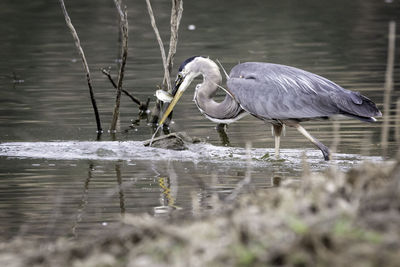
180	86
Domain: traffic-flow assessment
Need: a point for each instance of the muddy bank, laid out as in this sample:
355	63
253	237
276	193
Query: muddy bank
334	218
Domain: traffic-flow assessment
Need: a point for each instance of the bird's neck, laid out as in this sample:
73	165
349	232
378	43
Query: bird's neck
211	79
228	108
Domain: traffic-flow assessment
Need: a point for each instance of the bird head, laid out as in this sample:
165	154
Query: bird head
188	70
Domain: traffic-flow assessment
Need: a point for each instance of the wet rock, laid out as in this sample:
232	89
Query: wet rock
173	141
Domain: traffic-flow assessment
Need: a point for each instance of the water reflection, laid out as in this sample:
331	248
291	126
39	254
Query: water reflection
112	178
83	202
120	189
167	198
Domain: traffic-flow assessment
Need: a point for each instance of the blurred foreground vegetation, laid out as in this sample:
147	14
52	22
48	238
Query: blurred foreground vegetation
331	218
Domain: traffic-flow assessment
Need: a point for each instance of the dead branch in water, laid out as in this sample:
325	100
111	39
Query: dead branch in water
142	106
85	65
397	121
176	15
388	86
161	44
124	55
157	108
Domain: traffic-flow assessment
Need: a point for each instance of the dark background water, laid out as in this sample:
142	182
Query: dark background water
44	97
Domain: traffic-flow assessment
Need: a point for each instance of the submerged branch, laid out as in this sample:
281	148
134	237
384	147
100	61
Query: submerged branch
124	55
85	65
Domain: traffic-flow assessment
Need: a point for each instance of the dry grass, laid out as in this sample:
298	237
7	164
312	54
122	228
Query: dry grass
330	219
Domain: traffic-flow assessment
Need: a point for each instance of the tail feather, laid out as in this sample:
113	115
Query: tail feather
359	107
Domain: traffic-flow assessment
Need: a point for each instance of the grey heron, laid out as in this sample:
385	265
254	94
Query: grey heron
278	94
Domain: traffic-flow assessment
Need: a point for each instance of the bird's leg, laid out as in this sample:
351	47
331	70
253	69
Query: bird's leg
277	129
221	129
322	147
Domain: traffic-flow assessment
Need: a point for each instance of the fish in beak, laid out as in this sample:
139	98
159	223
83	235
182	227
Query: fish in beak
181	84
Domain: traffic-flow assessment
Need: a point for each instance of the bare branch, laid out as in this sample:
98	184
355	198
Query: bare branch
167	78
134	99
107	73
176	15
124	55
388	86
397	121
85	65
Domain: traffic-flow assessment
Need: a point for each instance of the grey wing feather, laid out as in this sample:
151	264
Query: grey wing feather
272	91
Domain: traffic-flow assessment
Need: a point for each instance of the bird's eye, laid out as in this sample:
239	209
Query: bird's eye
179	78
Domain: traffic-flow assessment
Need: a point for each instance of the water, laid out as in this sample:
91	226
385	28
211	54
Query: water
57	180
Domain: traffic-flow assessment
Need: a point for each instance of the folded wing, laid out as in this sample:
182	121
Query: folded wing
272	91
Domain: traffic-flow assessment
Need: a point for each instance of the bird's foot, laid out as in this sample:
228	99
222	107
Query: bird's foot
325	151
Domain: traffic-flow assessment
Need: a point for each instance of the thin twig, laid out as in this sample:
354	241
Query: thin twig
85	65
107	73
388	86
134	99
397	121
124	55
